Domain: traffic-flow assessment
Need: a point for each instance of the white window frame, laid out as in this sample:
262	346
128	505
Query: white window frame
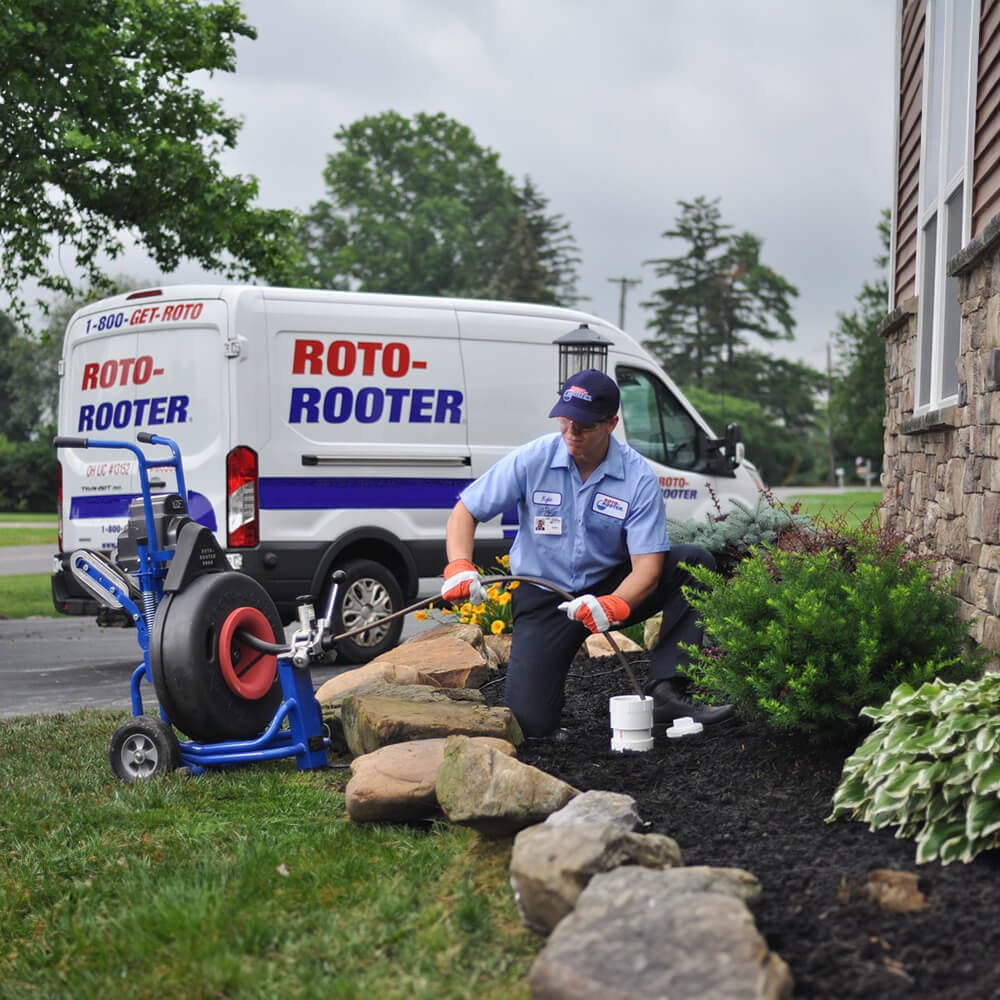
945	196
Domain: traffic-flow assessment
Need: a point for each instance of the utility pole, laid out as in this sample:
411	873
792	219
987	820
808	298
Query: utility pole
625	284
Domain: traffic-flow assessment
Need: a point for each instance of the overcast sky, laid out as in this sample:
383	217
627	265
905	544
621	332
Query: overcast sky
616	109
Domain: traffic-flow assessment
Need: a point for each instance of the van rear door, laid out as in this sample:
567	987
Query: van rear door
136	363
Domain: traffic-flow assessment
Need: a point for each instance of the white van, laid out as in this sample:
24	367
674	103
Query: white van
334	430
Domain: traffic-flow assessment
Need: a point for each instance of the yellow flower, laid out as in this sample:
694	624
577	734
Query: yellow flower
514	584
421	616
503	599
494	591
504	562
497	627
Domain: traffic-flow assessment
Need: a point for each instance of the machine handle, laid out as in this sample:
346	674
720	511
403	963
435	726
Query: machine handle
70	442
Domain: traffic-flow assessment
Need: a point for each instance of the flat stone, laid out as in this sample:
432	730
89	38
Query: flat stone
373	721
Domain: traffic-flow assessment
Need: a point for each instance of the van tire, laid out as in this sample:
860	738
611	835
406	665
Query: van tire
368	588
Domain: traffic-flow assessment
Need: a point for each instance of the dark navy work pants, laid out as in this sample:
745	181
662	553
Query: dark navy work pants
545	641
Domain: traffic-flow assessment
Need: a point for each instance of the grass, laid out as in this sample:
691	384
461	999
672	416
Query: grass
850	508
26	596
247	882
28	535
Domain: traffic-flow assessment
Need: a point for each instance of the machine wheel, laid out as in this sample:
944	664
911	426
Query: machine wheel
143	748
368	592
195	678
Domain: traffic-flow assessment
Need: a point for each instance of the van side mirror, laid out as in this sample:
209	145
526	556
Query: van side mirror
720	456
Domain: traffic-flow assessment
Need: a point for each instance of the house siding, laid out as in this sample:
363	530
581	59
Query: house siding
908	152
941	470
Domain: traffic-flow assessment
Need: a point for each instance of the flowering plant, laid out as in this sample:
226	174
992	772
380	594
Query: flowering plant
493	616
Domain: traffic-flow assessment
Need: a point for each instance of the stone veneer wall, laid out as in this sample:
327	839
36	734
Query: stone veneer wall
941	471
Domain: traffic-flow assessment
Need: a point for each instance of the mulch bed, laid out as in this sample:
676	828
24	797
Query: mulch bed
741	795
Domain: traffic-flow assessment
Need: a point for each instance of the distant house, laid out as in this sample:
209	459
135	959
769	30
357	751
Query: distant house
941	471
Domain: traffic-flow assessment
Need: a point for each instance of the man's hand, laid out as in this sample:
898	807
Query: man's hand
462	582
597	613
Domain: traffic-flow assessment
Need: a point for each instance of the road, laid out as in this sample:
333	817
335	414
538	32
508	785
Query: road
60	664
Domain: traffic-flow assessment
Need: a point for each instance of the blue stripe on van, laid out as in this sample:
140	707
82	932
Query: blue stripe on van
358	493
116	508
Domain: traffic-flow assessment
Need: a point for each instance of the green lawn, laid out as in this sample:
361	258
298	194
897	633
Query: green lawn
852	507
28	529
27	596
247	882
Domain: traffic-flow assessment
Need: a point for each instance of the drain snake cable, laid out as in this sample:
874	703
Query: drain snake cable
278	649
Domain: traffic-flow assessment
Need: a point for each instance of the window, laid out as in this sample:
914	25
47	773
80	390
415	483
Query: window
945	202
656	424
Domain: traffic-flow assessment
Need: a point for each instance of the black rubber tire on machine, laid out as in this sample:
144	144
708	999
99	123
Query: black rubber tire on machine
144	747
197	663
368	589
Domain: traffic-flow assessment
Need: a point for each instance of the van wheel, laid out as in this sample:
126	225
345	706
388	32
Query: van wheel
368	593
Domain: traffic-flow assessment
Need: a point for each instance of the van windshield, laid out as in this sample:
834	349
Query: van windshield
656	424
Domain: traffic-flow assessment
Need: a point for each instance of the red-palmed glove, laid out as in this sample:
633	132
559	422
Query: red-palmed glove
597	613
462	582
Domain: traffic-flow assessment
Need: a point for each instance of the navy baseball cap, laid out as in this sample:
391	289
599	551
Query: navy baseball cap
588	398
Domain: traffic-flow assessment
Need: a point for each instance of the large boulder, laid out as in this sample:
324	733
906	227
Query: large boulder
638	932
479	787
551	865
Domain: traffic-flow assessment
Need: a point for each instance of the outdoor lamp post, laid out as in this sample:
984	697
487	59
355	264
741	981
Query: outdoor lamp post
580	349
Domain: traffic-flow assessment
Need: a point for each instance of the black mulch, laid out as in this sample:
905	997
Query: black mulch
744	796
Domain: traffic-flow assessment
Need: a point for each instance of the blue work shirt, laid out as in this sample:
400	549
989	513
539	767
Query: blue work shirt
572	533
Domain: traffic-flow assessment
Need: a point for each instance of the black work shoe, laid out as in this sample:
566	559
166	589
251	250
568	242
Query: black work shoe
669	703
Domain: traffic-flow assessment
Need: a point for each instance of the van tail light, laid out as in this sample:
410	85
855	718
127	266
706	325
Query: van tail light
59	502
242	508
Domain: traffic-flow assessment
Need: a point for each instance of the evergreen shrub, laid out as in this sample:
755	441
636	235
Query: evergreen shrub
811	629
730	537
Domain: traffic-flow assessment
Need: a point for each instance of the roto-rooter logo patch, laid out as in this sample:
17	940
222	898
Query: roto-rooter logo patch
371	404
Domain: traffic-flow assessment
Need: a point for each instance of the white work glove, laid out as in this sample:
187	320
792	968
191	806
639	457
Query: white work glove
597	613
462	582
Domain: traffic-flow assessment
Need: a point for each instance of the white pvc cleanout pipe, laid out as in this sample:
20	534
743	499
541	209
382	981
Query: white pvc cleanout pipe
631	722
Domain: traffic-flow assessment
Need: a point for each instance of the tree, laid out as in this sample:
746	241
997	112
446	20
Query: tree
547	256
102	136
29	381
418	206
857	399
719	291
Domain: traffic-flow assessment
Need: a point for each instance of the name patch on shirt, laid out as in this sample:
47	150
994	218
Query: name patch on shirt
546	498
611	506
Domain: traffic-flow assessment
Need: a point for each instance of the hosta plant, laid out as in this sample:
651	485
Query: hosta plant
931	768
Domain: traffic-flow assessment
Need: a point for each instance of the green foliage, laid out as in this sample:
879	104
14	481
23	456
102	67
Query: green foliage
781	453
808	633
931	768
857	402
28	474
103	135
417	206
731	536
